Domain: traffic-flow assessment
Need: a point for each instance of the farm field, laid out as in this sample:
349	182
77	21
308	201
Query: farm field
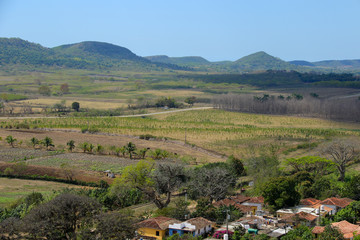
216	130
12	189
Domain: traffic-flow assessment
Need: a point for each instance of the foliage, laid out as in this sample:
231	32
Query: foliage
75	106
341	153
220	234
61	217
236	165
11	140
352	188
280	192
299	233
130	148
64	88
188	236
111	225
190	100
71	145
214	183
167	102
331	233
34	141
314	164
152	181
45	90
179	211
47	142
350	213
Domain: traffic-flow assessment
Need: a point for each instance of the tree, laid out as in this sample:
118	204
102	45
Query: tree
236	165
60	218
190	100
153	182
213	183
331	233
84	146
299	233
350	213
60	107
352	188
71	145
341	153
280	192
64	88
34	141
75	106
10	140
112	225
48	142
45	90
315	164
130	148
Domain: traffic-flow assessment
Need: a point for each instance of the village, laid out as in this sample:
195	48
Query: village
256	221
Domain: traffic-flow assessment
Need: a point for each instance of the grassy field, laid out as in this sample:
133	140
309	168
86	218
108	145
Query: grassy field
224	132
13	189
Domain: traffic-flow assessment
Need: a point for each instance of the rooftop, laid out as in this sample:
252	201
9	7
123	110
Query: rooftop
160	223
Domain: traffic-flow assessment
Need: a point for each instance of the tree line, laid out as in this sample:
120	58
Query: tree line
347	109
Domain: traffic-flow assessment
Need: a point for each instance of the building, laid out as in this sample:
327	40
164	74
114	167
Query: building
195	226
336	204
155	228
248	205
305	218
347	229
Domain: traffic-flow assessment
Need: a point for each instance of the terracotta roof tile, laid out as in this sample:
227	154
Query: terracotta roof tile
300	215
340	202
256	200
161	223
318	229
309	201
346	228
199	222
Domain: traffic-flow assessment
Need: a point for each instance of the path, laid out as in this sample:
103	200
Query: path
136	115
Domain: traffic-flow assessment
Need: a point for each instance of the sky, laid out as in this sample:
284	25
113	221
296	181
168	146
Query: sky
217	30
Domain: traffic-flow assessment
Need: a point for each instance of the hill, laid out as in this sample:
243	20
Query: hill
181	61
262	61
84	55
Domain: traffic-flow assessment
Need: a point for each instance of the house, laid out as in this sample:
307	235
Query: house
256	204
336	204
195	226
248	205
347	229
154	228
318	210
305	218
308	202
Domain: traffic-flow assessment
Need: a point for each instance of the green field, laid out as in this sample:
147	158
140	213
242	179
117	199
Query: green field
221	131
12	189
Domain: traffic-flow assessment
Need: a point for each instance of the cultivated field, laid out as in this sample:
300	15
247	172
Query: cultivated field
216	130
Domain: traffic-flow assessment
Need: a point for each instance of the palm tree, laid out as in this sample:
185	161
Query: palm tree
48	142
71	145
34	141
130	148
10	140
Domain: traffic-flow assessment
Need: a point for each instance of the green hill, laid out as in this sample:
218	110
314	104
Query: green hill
261	61
190	61
84	55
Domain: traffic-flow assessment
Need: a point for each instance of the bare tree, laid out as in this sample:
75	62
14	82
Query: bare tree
341	153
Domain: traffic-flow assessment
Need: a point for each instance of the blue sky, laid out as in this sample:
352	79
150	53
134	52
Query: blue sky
217	30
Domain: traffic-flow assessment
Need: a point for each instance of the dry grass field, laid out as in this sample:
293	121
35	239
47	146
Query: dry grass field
13	189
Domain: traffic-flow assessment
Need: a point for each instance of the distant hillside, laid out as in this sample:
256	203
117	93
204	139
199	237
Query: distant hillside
84	55
98	50
339	63
181	61
302	63
262	61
